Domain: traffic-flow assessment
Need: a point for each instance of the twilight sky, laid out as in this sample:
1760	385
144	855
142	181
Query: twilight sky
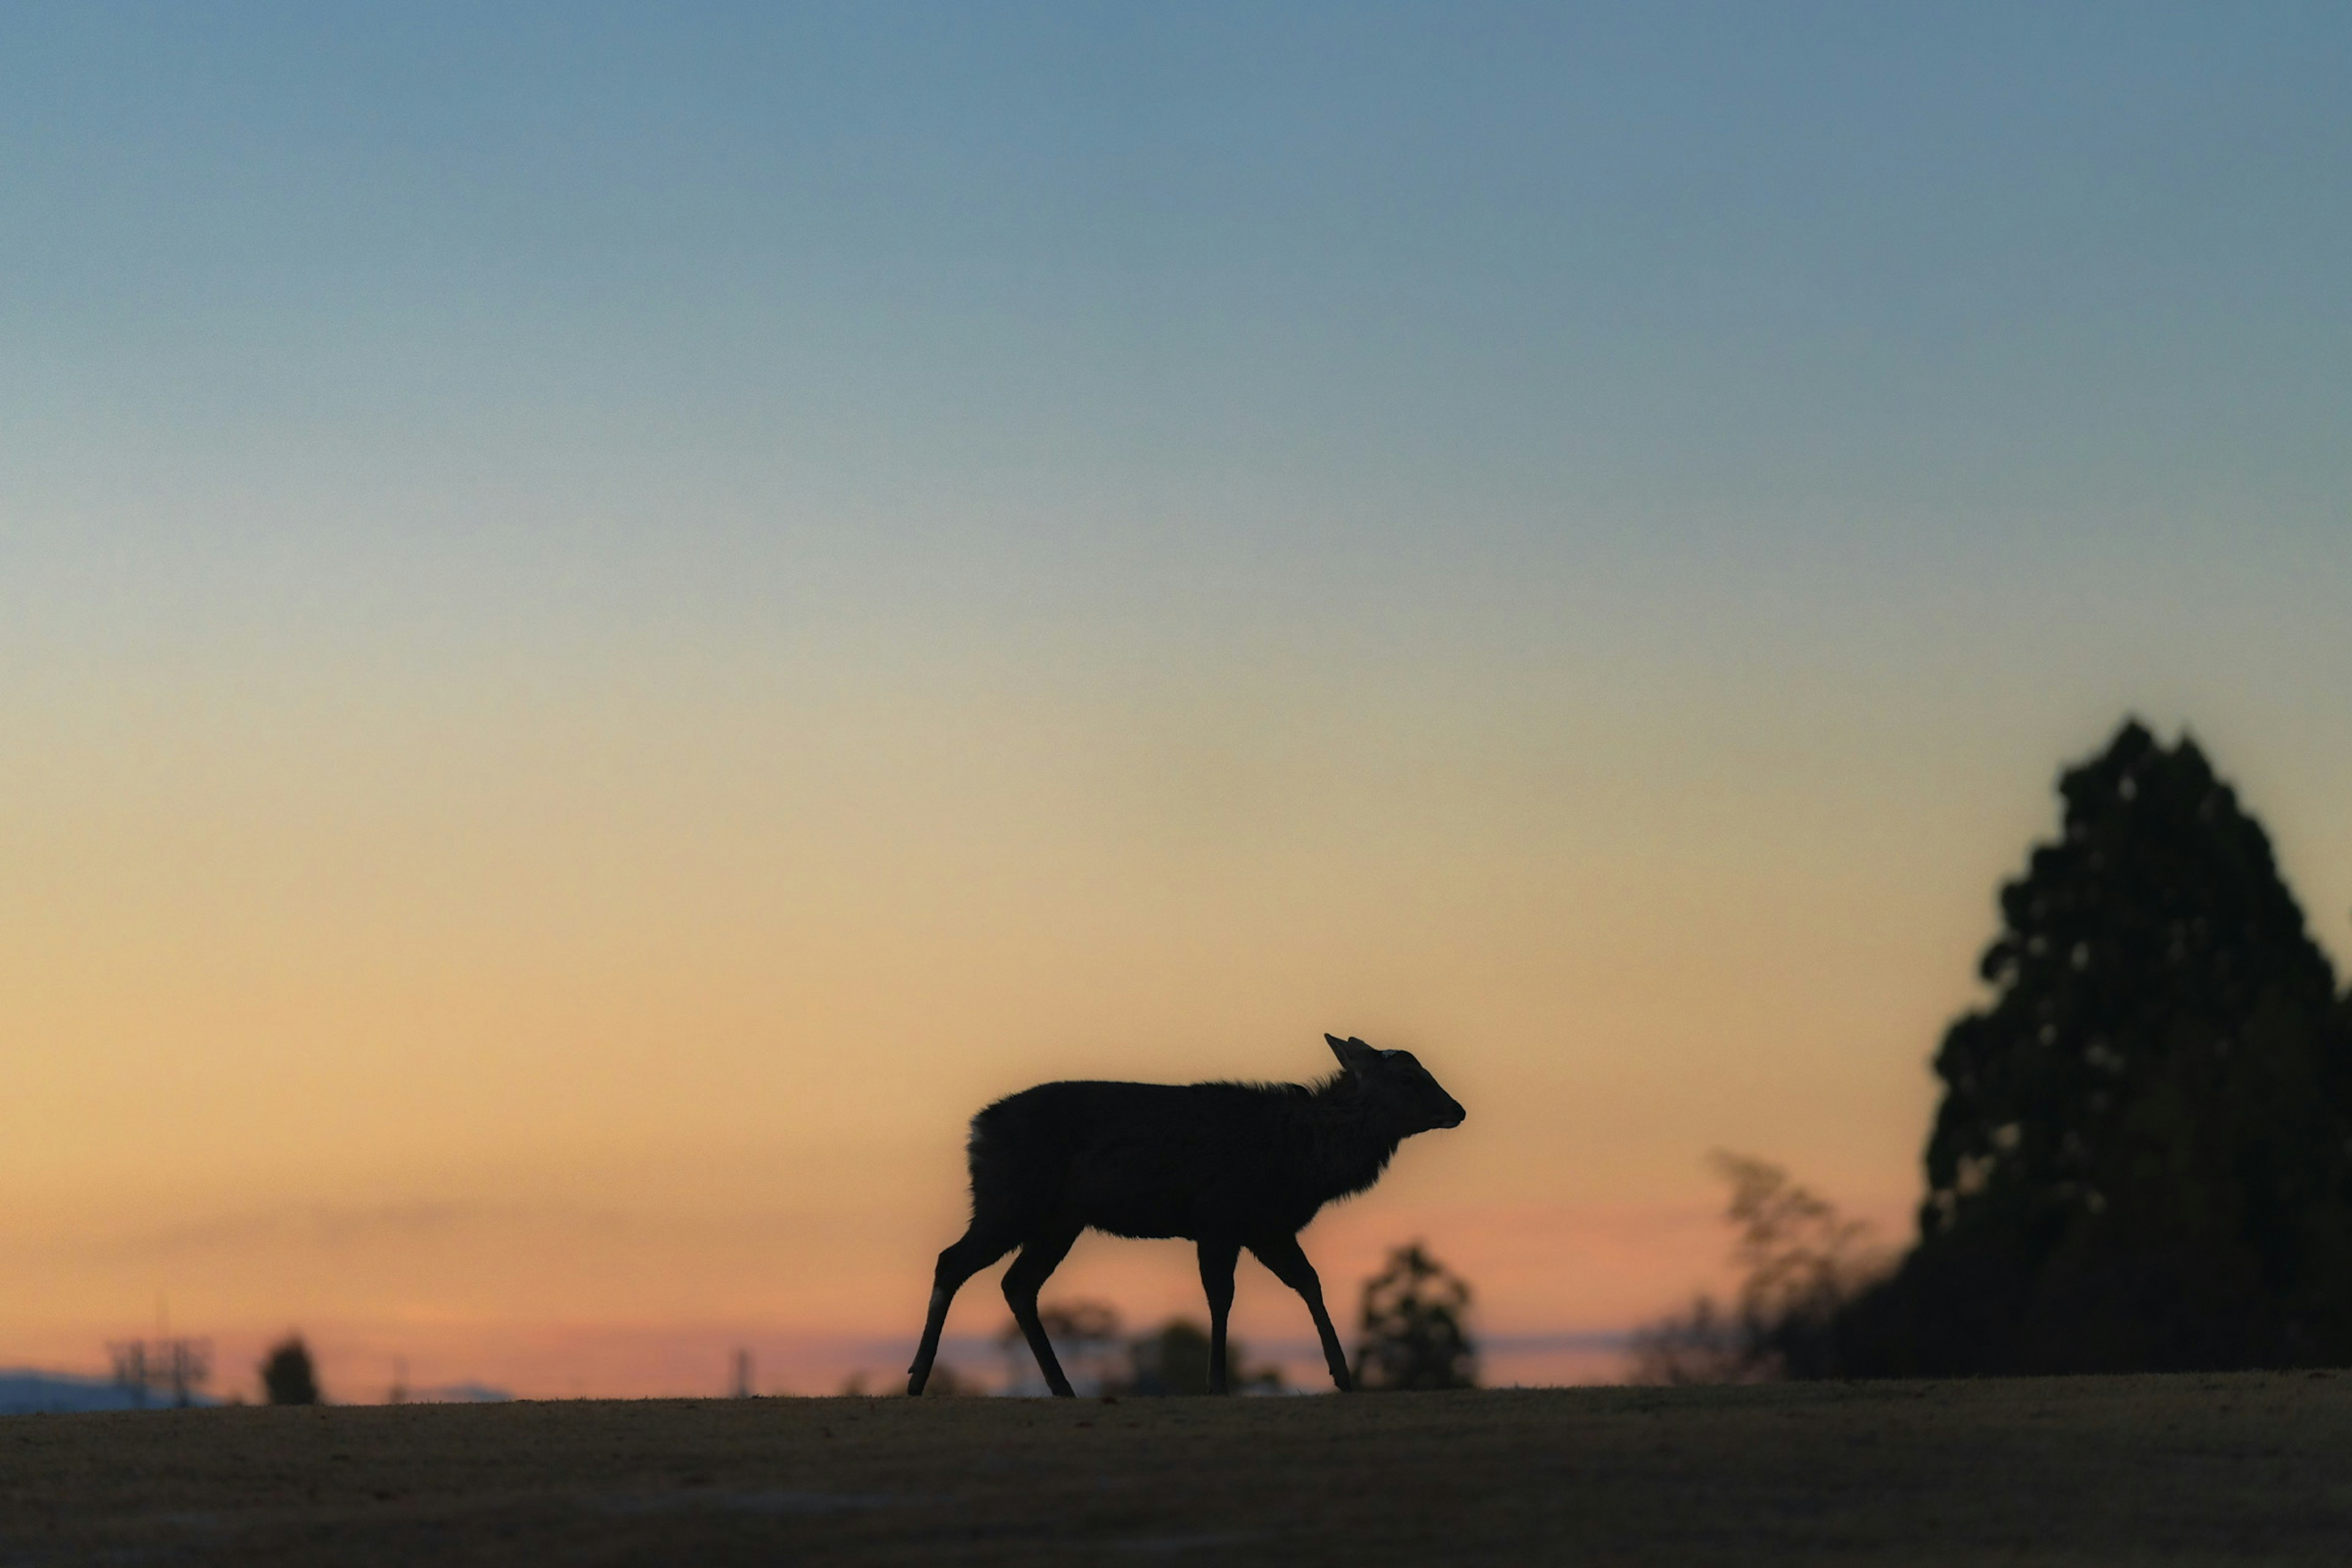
611	618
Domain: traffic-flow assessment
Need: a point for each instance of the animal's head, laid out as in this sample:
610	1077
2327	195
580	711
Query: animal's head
1396	1082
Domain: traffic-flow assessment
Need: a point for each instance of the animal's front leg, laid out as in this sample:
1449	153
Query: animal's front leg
1217	1259
1287	1261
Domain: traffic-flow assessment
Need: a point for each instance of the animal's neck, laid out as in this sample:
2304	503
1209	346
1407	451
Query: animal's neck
1350	1143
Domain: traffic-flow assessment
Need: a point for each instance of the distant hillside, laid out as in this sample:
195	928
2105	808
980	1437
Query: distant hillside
25	1391
459	1394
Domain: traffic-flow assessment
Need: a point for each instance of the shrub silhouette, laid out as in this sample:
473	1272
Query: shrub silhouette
1176	1361
946	1383
1093	1347
1412	1331
1804	1264
1173	1359
286	1375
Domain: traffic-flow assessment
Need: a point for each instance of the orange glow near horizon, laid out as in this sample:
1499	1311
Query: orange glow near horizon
424	1033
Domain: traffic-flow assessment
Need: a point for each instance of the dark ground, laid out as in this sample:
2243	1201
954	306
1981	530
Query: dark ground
2239	1469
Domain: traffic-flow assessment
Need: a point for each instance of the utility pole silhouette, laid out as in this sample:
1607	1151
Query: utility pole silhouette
743	1374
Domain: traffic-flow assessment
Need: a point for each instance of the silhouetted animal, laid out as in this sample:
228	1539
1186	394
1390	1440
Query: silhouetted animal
1228	1165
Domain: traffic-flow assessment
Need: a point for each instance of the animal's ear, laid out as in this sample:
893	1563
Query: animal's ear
1353	1054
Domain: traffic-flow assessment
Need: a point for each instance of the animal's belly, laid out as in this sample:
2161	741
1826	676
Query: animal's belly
1161	1214
1109	1195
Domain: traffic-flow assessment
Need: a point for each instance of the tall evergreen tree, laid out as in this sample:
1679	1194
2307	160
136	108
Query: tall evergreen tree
2141	1158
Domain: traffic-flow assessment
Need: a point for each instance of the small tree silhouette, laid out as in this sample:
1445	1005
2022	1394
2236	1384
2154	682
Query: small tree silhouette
1412	1335
286	1375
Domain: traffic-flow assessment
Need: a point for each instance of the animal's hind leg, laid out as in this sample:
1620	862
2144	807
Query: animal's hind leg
1287	1260
1040	1255
974	1251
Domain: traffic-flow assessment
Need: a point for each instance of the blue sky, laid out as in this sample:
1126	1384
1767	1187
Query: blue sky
1687	341
1078	295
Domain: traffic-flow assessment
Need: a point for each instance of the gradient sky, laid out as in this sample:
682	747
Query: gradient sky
611	618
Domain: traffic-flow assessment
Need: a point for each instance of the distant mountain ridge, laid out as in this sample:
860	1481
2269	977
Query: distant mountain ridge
29	1391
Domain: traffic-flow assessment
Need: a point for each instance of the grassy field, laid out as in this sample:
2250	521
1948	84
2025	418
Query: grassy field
2238	1469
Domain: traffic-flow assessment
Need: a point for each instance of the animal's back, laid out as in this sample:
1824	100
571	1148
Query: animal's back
1139	1159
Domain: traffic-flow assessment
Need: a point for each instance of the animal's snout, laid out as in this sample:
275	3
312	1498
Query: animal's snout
1453	1115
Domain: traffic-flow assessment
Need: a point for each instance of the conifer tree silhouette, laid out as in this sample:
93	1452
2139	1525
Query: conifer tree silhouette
2141	1159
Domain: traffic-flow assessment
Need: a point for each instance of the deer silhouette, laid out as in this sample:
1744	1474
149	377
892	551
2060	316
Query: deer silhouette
1227	1166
